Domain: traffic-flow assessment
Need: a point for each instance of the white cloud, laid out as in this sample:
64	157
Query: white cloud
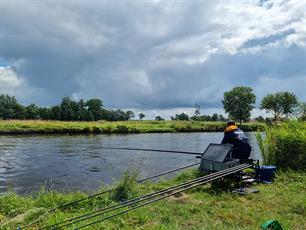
233	24
153	54
244	22
9	81
13	84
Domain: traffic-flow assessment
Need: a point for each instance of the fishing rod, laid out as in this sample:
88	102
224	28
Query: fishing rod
104	192
184	188
153	150
140	199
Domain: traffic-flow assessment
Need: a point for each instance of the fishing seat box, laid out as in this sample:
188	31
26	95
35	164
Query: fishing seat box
217	157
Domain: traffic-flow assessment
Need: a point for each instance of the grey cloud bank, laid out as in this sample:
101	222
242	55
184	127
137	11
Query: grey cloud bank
151	55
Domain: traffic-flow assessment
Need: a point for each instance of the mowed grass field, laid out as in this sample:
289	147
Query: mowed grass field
49	127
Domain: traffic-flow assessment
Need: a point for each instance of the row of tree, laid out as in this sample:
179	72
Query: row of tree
240	101
185	117
67	110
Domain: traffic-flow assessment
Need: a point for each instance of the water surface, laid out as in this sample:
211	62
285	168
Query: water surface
70	163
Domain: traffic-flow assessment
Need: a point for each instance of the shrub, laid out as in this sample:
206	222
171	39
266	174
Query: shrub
285	145
96	129
122	129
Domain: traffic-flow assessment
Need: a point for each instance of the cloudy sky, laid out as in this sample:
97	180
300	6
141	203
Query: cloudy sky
158	57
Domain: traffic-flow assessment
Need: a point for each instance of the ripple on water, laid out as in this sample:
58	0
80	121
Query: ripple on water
80	163
94	169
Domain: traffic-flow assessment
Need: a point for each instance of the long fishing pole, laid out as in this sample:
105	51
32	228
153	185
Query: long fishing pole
153	150
137	200
104	192
162	197
109	190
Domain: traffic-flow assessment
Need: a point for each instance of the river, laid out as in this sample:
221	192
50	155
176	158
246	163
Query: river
77	162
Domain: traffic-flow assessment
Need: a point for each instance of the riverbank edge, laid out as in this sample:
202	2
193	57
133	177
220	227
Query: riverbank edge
202	207
33	127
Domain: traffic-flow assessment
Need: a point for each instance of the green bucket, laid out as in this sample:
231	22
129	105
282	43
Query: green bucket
271	225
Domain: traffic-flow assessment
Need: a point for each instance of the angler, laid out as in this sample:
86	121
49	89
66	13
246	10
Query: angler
218	160
236	137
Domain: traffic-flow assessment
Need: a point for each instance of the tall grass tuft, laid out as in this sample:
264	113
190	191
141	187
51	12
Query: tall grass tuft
126	188
285	145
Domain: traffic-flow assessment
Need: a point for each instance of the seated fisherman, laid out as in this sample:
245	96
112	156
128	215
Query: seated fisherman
235	136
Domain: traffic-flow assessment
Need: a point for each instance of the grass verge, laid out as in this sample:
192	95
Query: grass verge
49	127
200	208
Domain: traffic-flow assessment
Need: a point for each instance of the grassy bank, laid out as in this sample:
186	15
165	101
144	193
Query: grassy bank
49	127
285	145
202	208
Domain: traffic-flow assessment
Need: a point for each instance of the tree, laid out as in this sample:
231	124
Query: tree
67	112
221	118
141	116
214	117
271	103
302	111
45	113
129	114
181	117
31	112
55	112
10	108
95	107
159	118
239	102
117	115
106	114
260	119
289	103
279	104
82	114
18	111
197	110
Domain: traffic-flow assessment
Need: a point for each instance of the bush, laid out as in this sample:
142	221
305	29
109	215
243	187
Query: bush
122	129
285	145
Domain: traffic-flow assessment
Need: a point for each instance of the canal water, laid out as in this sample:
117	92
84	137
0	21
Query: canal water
70	163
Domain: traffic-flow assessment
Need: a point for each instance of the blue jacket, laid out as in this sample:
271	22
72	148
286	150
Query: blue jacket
235	136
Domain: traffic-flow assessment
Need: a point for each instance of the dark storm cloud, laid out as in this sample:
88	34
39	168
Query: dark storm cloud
150	55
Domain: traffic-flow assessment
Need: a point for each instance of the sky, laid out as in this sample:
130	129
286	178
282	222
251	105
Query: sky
157	57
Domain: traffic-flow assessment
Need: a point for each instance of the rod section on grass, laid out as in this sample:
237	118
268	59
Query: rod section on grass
163	197
104	192
144	198
167	172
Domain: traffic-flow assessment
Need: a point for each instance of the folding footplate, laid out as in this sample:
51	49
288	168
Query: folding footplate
217	157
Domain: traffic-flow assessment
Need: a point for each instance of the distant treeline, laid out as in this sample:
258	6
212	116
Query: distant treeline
70	110
67	110
198	117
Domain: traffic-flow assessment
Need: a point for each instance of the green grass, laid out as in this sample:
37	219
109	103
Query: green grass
45	127
201	208
285	145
